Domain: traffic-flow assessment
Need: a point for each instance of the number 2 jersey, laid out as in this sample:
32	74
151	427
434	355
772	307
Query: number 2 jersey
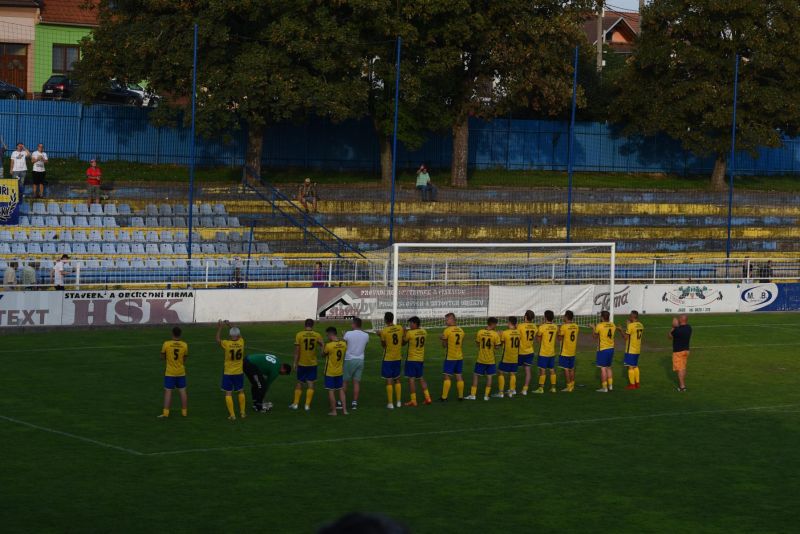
234	356
175	353
454	337
334	361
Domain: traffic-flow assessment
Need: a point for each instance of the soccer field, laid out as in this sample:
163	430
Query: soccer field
83	450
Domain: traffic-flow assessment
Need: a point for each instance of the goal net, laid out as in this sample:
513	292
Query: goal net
479	280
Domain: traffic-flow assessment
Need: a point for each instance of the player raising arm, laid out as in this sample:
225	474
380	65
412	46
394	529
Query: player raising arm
547	335
568	334
174	352
233	373
453	341
527	334
487	340
633	348
334	352
510	340
392	343
307	346
604	333
415	360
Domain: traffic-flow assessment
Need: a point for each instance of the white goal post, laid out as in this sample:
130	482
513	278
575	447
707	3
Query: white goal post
478	280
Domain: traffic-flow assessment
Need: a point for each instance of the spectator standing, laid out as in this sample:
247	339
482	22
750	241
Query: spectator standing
681	335
94	176
424	184
357	341
766	272
3	149
28	280
307	194
39	160
319	275
19	166
58	272
10	276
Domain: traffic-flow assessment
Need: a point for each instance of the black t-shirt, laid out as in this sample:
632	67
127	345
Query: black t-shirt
680	338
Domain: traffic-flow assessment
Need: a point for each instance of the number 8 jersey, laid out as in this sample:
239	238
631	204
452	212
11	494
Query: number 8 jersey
234	356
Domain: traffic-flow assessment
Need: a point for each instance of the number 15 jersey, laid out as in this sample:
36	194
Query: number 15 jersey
308	342
234	356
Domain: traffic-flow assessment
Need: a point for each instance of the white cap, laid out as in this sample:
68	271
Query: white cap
234	332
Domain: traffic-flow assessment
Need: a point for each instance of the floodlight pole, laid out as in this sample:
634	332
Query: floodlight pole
731	162
394	138
192	149
571	143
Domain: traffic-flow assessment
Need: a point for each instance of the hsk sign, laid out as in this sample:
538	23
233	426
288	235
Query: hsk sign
103	308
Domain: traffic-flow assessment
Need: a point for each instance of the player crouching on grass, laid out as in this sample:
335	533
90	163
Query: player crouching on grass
510	340
568	334
261	371
392	343
307	346
633	334
453	342
233	372
174	352
415	360
487	340
547	334
604	333
334	352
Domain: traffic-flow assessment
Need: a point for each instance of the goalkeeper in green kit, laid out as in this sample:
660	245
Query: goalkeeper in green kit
262	370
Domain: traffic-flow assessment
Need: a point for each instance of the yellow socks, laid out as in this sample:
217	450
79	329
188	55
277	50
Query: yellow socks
524	389
501	382
297	394
460	388
398	390
184	412
553	379
390	393
427	394
309	396
542	379
473	391
631	375
604	384
513	382
446	388
636	374
165	412
242	402
487	391
610	382
414	398
229	404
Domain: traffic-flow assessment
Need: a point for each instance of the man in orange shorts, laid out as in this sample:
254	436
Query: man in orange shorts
680	335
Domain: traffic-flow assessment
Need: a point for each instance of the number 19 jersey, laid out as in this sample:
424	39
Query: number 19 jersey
416	344
234	356
392	336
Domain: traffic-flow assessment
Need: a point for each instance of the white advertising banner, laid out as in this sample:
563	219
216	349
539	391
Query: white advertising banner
754	297
30	308
515	300
255	305
127	307
691	298
626	299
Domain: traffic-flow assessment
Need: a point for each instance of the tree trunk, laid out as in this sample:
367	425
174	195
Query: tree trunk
458	170
718	175
386	158
255	145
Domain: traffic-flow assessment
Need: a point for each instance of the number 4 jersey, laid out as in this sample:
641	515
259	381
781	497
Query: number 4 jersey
234	354
175	353
334	363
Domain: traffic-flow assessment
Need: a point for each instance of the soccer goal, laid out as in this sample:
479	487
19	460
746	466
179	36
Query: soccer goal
478	280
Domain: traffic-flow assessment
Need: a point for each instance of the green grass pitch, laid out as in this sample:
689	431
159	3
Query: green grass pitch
83	450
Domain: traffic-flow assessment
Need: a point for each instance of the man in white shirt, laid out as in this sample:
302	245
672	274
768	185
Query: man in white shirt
39	159
58	272
354	358
10	276
19	165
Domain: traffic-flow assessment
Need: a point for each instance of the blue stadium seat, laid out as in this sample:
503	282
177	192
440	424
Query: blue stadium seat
196	210
96	222
20	235
5	235
123	263
179	222
262	248
151	263
151	222
138	236
37	220
92	263
24	221
206	209
68	209
123	248
152	236
137	263
110	209
179	210
235	236
221	236
64	248
82	209
66	220
220	222
96	209
18	248
123	235
196	248
124	209
109	222
109	236
219	209
79	248
206	222
180	248
137	221
34	248
233	222
66	235
180	263
166	263
222	248
107	263
50	234
166	222
137	248
207	248
151	210
82	221
95	235
237	248
165	209
53	208
93	248
166	236
151	248
109	248
52	221
35	235
166	249
49	248
5	248
39	208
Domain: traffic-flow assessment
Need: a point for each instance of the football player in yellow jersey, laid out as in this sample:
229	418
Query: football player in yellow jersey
307	346
605	333
527	334
334	352
415	339
453	342
233	374
547	334
633	348
568	335
510	339
174	352
392	343
487	340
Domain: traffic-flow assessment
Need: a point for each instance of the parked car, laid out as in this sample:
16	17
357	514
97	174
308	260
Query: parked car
59	87
12	92
118	93
148	98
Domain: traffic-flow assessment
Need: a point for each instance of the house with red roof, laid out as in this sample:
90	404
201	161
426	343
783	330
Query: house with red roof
620	29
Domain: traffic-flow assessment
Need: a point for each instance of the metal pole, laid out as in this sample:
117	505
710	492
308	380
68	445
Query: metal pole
731	163
249	250
394	138
571	145
192	147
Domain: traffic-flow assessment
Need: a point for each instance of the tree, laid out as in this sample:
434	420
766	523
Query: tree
680	80
260	63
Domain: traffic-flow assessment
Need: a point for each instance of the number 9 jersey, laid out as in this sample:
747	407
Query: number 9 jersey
334	363
234	356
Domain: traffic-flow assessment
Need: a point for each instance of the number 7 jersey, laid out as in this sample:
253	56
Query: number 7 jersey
234	356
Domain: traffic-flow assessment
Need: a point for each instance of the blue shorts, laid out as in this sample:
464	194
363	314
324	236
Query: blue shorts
546	362
306	373
507	367
485	369
390	369
232	382
453	367
566	362
631	360
526	359
334	382
605	357
174	382
414	369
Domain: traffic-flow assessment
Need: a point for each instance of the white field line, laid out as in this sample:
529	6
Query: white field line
473	430
72	436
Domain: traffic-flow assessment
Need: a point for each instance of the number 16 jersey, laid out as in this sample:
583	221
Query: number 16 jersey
234	356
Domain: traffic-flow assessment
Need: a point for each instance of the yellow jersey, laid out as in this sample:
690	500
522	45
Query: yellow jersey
549	334
635	332
392	337
234	356
454	335
487	340
309	343
334	361
416	344
527	335
568	332
605	333
511	341
175	353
